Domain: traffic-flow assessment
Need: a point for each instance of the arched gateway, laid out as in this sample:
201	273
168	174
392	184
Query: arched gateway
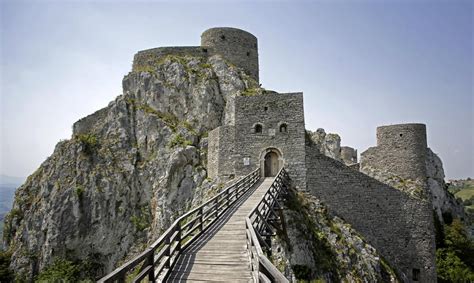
271	162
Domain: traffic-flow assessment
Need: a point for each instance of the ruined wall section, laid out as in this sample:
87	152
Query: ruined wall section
86	125
271	111
398	225
348	155
151	57
221	152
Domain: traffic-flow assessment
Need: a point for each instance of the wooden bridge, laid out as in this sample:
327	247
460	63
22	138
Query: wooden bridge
219	241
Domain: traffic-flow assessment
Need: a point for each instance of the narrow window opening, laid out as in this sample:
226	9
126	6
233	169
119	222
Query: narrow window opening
401	135
258	129
283	128
265	108
248	53
223	37
416	274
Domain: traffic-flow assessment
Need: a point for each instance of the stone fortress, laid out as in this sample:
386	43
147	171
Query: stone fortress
387	196
269	132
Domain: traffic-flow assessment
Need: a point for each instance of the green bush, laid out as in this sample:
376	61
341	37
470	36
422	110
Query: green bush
179	140
302	272
79	191
60	270
6	274
455	257
67	270
89	141
451	268
142	220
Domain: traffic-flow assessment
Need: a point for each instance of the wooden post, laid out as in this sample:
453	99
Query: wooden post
201	219
168	249
151	259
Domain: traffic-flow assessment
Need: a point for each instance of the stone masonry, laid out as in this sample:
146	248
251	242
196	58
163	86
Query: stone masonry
398	224
281	118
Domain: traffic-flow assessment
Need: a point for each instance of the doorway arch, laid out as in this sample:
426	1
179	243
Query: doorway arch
271	161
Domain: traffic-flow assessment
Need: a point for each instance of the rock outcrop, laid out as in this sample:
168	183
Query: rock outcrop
327	144
316	246
443	201
128	171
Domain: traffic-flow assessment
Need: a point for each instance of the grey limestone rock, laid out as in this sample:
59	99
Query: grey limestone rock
327	144
129	169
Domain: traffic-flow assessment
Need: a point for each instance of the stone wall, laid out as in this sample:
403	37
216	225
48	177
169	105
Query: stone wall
220	161
271	111
400	150
398	225
237	46
150	56
86	124
348	155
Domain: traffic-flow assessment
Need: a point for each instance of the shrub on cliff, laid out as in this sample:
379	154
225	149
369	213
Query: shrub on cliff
455	260
6	274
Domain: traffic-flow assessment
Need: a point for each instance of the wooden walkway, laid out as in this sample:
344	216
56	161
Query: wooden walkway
220	253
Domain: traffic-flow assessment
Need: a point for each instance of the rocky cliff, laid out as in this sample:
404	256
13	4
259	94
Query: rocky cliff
314	246
134	166
327	144
432	187
129	169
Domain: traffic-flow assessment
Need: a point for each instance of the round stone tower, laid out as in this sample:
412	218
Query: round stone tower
237	46
405	149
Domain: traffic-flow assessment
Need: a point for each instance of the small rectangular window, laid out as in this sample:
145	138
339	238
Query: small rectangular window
416	274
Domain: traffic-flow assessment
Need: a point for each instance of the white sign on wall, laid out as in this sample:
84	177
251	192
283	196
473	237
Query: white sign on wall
246	161
271	132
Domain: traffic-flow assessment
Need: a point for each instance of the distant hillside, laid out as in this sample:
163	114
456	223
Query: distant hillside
464	190
7	193
10	181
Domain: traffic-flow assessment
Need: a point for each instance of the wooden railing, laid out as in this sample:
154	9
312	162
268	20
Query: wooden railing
156	262
260	224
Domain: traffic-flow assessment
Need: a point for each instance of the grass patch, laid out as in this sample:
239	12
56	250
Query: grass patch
79	191
253	91
179	140
89	141
142	219
465	193
168	118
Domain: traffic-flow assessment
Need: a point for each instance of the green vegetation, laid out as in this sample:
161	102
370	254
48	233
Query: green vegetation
302	272
253	91
89	141
65	270
6	274
454	254
179	140
324	256
151	63
463	189
142	220
79	191
465	194
169	119
61	270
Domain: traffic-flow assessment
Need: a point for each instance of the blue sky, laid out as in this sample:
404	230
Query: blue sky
360	64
